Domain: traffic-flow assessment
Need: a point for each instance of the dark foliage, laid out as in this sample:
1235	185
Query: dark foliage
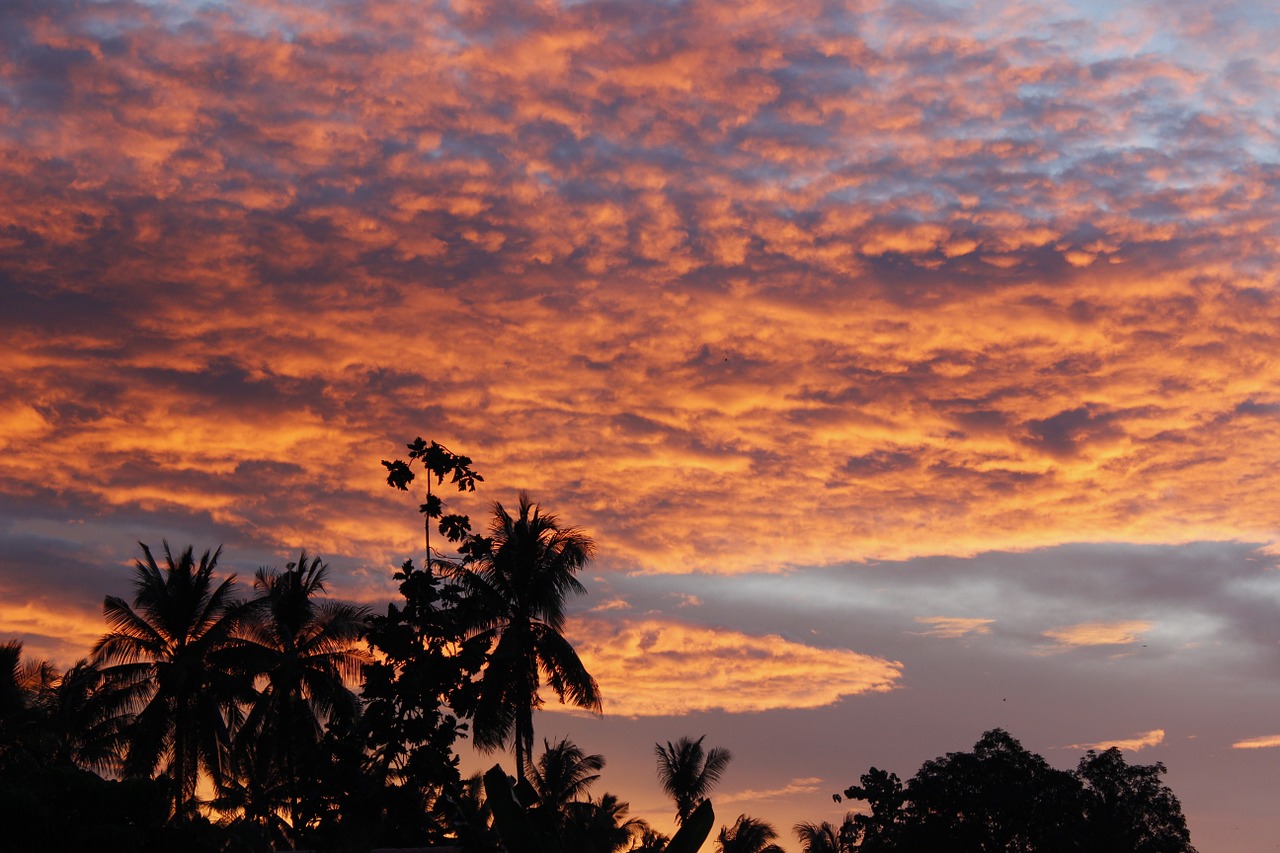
1000	797
414	694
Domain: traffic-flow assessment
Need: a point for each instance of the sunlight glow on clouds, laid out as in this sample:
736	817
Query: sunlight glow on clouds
657	667
611	604
50	630
1099	633
1263	742
1155	737
953	287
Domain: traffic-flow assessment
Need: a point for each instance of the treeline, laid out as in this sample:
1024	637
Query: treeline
209	717
1001	797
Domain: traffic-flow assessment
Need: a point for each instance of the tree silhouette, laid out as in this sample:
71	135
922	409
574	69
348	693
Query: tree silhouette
562	774
687	773
817	837
1127	807
602	826
875	832
650	841
517	581
22	735
86	729
306	652
748	835
1000	797
165	661
438	462
404	771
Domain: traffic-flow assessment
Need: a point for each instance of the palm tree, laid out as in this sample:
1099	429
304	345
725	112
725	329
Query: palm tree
563	774
688	773
165	659
22	733
54	718
86	728
650	841
748	835
518	581
306	652
602	826
817	837
16	679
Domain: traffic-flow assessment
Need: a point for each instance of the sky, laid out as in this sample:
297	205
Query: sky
914	366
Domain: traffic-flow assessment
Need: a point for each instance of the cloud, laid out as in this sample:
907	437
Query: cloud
658	667
51	632
1098	633
1155	737
1263	742
807	785
954	627
1064	433
663	262
611	604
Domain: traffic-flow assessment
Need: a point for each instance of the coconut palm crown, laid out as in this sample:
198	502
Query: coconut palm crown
687	772
518	580
164	663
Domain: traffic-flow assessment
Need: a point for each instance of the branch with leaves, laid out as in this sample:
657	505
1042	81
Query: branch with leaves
438	462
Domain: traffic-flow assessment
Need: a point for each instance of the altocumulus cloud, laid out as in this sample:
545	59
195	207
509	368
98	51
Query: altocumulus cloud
656	668
803	222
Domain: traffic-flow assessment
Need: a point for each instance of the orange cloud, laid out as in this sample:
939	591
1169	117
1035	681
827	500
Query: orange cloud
657	668
1263	742
1155	737
1098	633
628	262
50	631
611	604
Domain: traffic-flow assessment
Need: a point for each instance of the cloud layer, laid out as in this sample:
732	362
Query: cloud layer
665	668
733	283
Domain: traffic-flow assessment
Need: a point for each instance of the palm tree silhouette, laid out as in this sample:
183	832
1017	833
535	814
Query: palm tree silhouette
602	826
21	729
563	773
86	728
61	719
817	837
688	773
165	663
748	835
306	651
518	582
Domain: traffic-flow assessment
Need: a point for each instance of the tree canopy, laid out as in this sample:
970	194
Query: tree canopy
1001	797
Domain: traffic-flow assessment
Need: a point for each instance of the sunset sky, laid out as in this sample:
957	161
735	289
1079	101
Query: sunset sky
915	366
